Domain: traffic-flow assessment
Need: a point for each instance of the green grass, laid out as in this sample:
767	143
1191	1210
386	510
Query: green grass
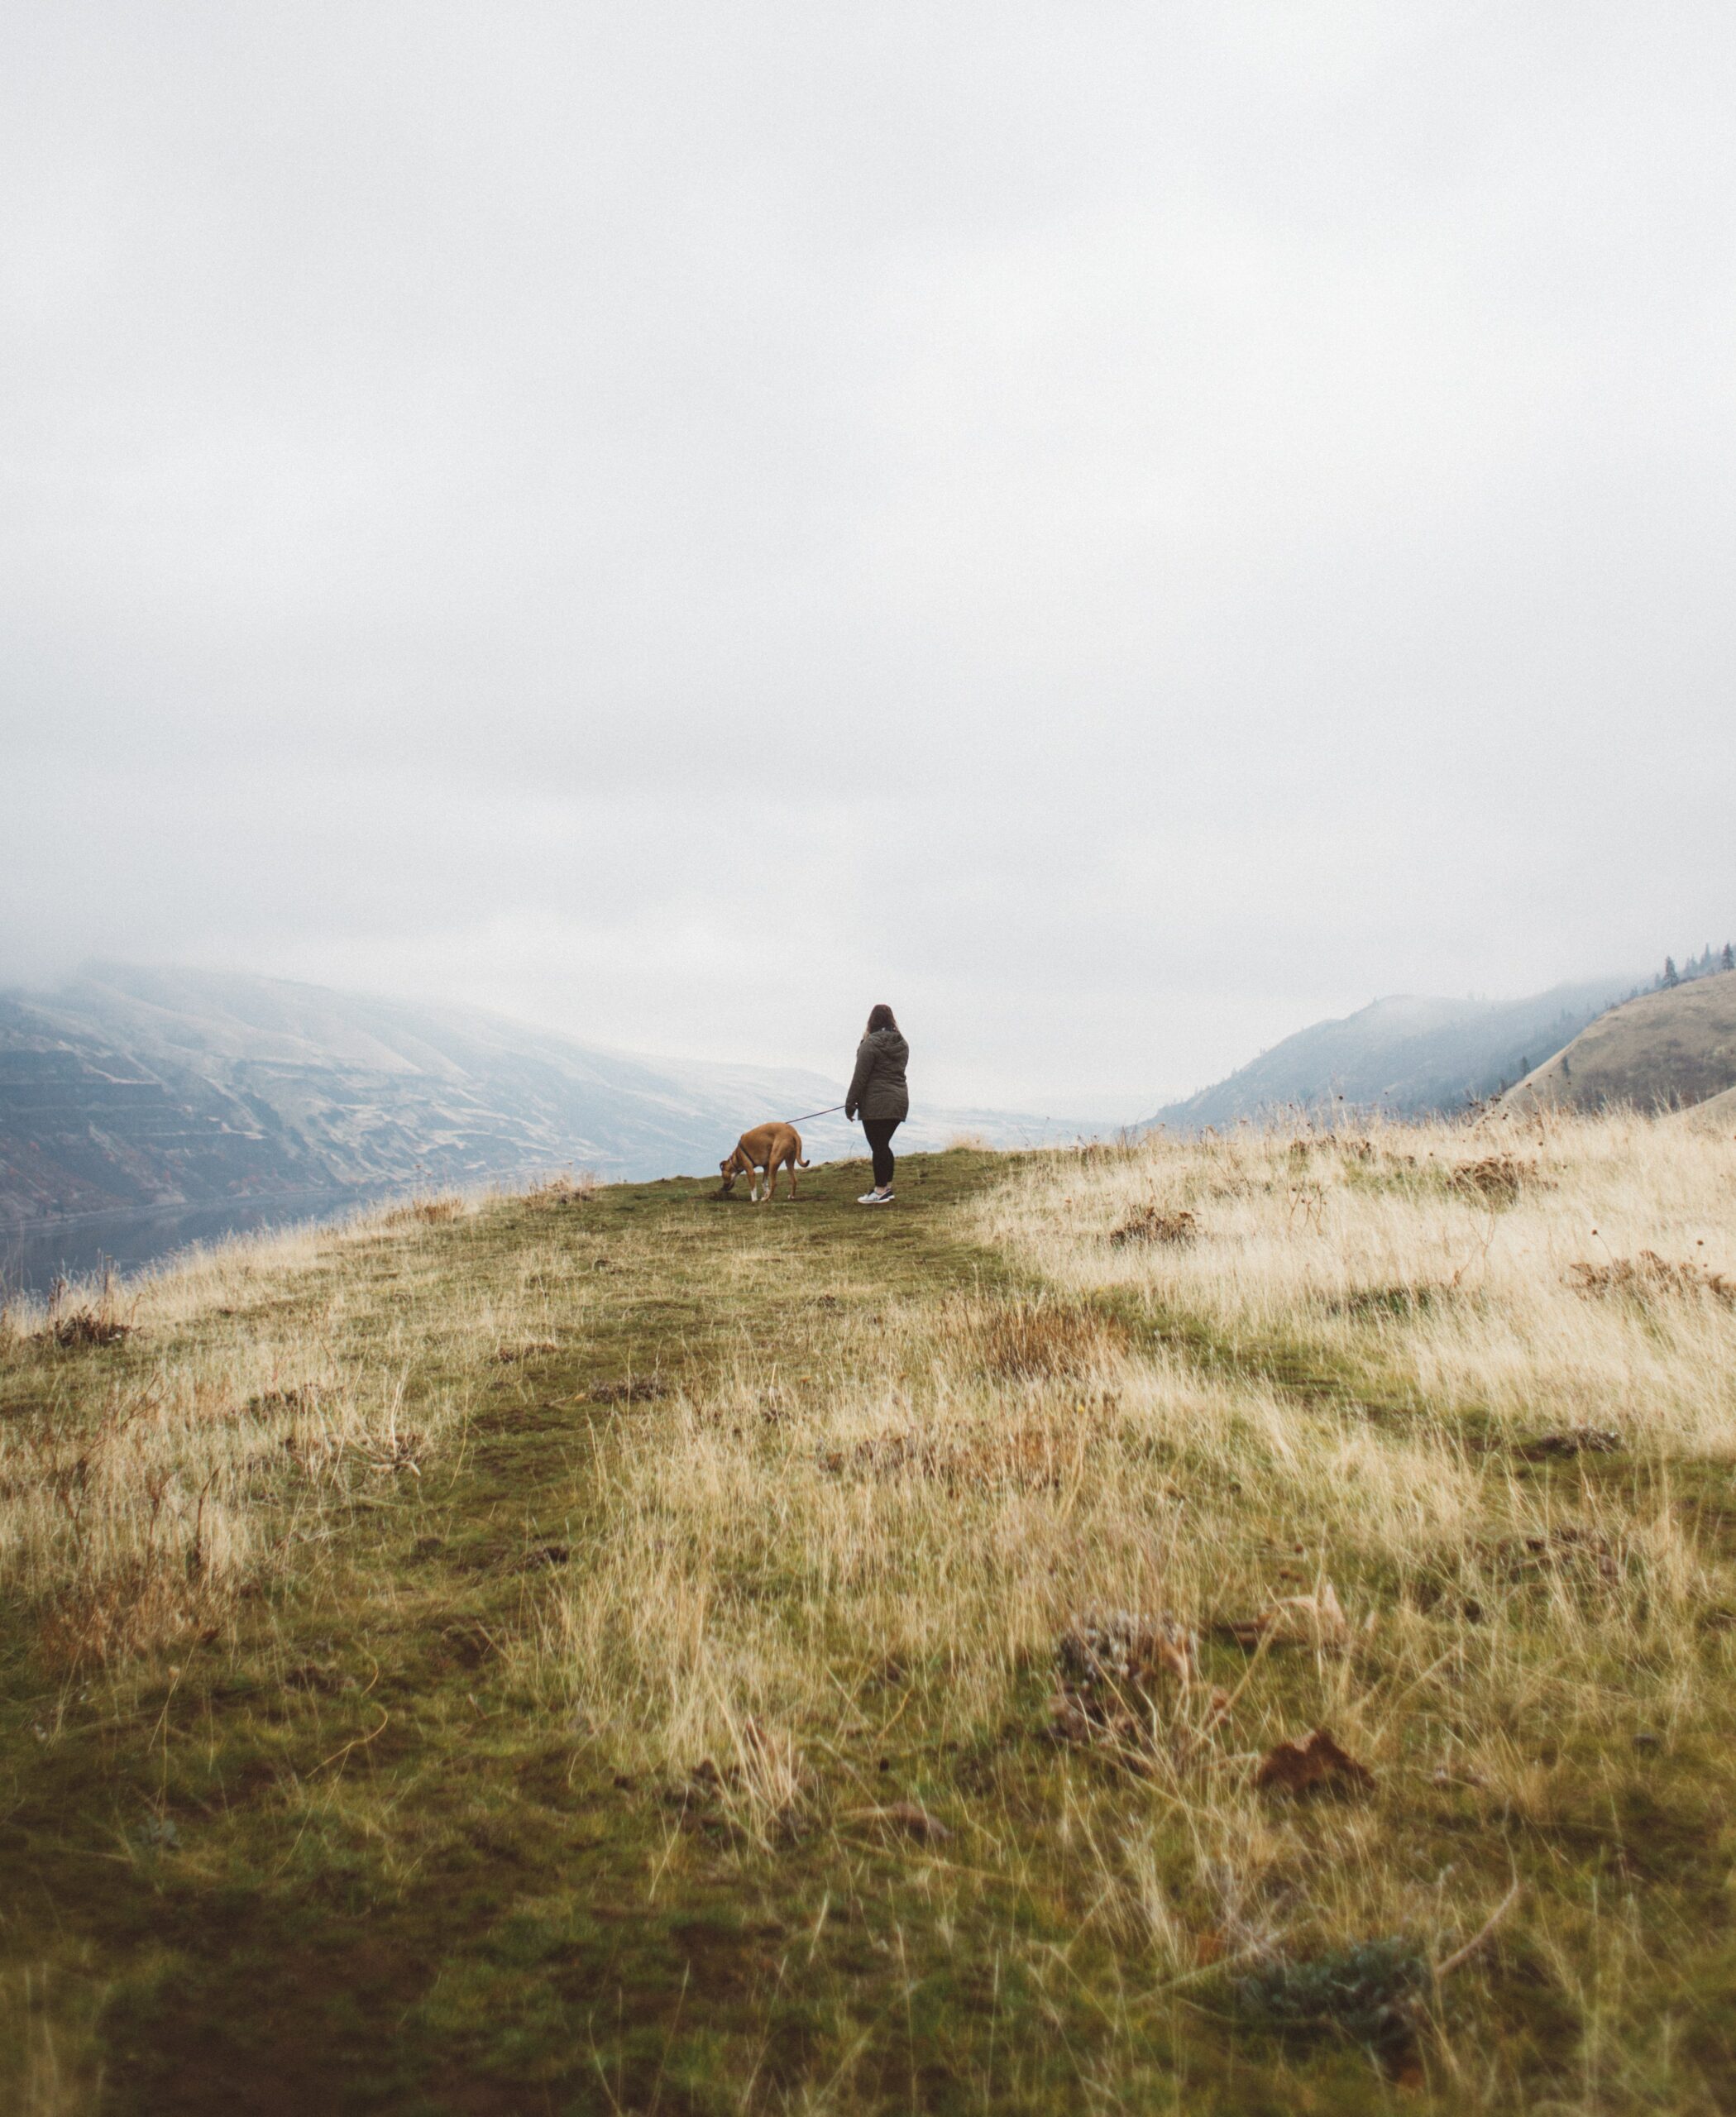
388	1881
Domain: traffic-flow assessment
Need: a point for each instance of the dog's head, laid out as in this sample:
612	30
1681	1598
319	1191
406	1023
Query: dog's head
729	1168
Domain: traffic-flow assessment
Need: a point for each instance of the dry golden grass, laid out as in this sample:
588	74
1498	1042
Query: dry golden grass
214	1460
48	2059
427	1212
567	1188
1395	1253
1168	1574
1309	1425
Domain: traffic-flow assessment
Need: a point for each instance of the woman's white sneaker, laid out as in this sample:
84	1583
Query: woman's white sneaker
875	1198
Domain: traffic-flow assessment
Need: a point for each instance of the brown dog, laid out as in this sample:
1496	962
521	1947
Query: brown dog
767	1147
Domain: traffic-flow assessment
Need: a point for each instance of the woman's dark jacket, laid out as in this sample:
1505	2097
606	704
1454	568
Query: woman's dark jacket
878	1087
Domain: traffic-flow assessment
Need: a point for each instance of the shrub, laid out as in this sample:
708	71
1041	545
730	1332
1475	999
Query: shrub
1496	1180
1648	1277
1372	1994
1034	1340
1152	1223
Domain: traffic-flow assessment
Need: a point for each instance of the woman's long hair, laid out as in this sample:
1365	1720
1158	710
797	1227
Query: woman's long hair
882	1017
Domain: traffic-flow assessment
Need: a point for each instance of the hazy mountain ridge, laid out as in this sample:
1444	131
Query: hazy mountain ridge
133	1089
1412	1056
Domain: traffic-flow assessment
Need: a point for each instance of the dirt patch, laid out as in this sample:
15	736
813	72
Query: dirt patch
1318	1763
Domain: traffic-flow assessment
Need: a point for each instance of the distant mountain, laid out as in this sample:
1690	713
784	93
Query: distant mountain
131	1088
1668	1049
1413	1056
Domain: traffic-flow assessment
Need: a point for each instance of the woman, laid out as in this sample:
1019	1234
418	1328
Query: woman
877	1090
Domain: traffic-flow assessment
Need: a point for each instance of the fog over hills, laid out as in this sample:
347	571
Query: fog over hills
132	1088
1411	1056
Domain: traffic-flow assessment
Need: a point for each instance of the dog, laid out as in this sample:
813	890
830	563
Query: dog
768	1147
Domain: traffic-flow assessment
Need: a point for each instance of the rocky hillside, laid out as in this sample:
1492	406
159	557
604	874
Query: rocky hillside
1670	1049
132	1088
1410	1057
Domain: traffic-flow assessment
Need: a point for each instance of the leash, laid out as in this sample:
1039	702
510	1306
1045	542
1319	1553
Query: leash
826	1112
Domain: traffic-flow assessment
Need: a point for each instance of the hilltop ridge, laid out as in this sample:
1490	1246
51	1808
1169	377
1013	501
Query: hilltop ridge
129	1089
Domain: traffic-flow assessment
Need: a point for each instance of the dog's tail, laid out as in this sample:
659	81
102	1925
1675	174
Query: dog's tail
801	1164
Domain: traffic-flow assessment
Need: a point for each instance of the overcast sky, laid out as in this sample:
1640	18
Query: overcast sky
1120	529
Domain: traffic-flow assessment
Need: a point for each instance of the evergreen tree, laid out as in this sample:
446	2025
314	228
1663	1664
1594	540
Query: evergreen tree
1672	976
1729	958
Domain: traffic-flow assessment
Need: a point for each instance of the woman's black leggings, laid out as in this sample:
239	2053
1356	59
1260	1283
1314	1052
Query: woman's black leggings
880	1131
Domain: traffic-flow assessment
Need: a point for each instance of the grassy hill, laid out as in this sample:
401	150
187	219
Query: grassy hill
1246	1626
1405	1056
1717	1112
1664	1050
